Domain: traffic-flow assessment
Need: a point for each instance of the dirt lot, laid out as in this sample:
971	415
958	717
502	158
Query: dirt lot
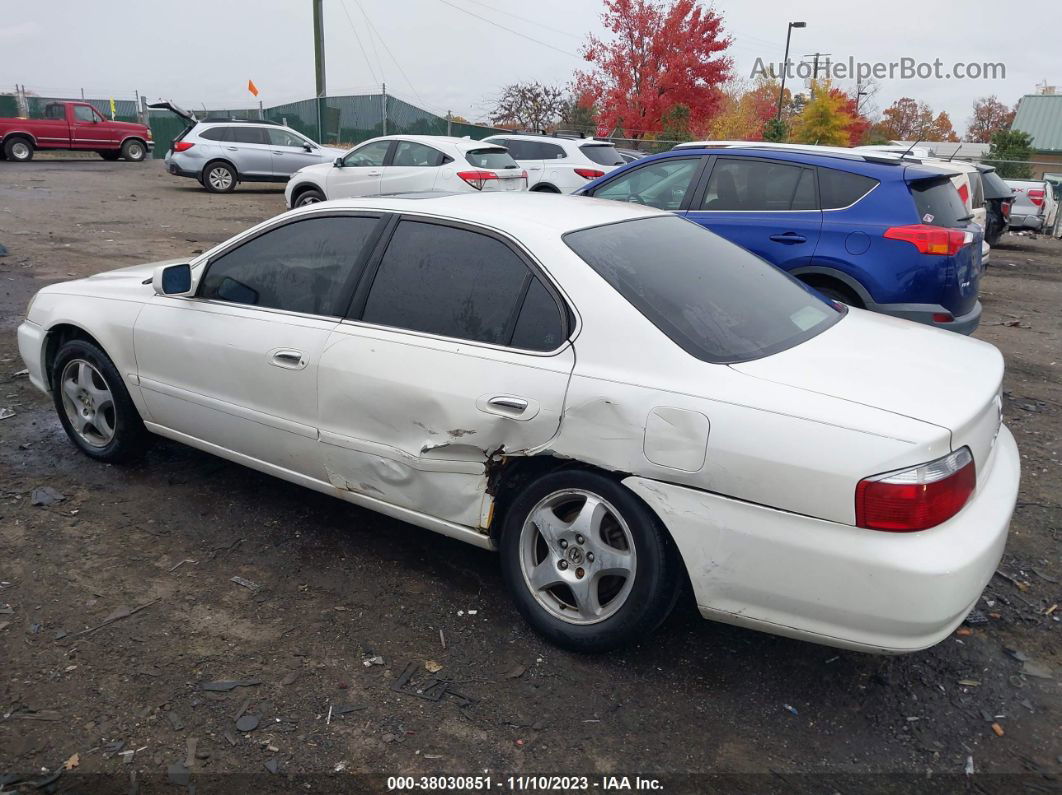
339	585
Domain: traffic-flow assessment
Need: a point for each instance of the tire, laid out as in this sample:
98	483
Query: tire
308	196
134	150
622	608
836	292
18	149
94	406
219	177
109	154
544	189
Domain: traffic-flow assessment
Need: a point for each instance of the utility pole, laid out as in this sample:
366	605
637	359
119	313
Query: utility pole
785	63
383	106
449	123
815	67
319	63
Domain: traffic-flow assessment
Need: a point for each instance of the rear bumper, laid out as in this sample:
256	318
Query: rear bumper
1034	222
177	171
836	584
923	313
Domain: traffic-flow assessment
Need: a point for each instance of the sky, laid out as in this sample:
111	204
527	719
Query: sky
457	54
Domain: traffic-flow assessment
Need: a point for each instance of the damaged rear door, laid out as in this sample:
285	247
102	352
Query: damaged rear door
455	350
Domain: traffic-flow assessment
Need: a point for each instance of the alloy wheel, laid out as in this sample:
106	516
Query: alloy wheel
220	178
88	402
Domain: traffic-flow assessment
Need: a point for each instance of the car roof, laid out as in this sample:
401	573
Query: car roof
463	144
503	210
834	151
552	138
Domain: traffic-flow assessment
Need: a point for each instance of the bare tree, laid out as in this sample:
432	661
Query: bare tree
532	106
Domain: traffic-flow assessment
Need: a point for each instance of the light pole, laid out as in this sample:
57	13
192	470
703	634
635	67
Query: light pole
785	63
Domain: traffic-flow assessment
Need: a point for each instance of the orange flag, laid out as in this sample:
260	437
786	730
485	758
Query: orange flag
252	87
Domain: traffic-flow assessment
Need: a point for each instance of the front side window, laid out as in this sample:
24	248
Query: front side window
451	282
759	185
368	156
662	184
410	153
285	138
714	299
84	113
298	267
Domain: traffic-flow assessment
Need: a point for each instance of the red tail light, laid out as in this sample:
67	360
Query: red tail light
589	173
964	194
937	240
477	179
1036	196
1005	209
524	175
917	498
943	317
182	146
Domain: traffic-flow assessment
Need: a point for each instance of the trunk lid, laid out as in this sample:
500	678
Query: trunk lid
905	368
188	116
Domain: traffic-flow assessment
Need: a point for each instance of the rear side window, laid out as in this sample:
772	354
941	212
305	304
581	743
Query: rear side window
938	203
299	267
447	281
552	152
758	185
540	325
410	153
217	134
492	157
715	300
839	189
249	135
602	154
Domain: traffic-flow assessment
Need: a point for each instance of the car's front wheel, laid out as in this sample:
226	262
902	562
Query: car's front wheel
589	565
219	178
93	404
309	196
134	151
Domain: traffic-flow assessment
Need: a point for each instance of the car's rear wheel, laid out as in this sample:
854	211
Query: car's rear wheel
588	564
93	404
308	196
544	189
18	149
219	178
109	155
838	292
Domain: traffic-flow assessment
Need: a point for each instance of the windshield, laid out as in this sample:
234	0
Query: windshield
495	157
602	154
713	299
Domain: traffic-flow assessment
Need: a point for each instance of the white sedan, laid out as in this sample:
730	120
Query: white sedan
408	164
615	398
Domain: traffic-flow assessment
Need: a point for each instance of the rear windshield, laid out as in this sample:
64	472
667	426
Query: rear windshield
713	299
602	154
493	157
995	187
938	203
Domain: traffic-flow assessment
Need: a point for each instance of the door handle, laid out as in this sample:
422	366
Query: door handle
231	148
287	357
278	153
517	404
375	173
789	237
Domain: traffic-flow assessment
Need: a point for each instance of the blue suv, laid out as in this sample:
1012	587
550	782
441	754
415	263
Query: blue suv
872	230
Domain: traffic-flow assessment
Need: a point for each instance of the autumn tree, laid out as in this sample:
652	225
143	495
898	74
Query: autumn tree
859	125
579	113
744	111
662	53
989	115
907	119
825	119
531	106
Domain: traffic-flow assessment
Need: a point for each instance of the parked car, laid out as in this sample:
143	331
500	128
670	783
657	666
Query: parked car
221	153
75	126
408	164
556	164
868	229
999	197
1034	206
615	398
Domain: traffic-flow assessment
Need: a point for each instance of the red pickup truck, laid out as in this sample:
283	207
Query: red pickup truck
77	126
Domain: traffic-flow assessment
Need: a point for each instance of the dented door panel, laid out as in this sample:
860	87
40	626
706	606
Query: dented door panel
413	419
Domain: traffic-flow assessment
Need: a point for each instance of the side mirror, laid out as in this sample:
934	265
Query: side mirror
338	162
172	279
307	147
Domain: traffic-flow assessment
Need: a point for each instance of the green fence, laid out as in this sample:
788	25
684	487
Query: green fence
344	120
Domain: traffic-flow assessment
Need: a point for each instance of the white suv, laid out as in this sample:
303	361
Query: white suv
408	164
559	165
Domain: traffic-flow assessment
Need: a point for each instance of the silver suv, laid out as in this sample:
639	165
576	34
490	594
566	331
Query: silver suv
220	153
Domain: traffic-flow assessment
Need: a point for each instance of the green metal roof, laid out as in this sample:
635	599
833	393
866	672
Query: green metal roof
1040	115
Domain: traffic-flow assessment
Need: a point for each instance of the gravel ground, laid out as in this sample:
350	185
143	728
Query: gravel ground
117	603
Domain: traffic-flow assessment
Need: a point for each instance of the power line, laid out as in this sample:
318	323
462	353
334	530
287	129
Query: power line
387	49
372	41
357	38
525	19
510	30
